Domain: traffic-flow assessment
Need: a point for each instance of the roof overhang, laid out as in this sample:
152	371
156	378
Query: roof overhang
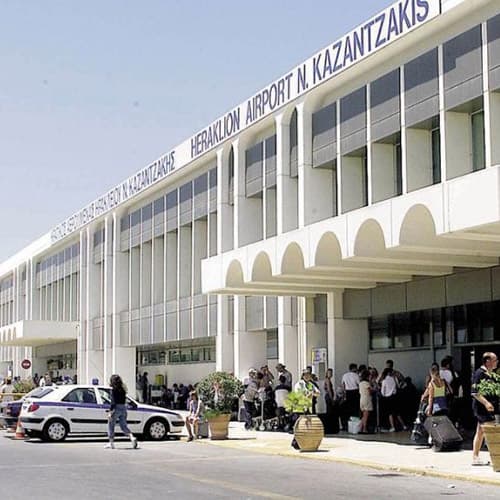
36	333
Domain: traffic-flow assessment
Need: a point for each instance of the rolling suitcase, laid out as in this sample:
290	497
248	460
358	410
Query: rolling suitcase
443	433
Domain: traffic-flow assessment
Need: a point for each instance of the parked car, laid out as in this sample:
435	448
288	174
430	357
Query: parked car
10	410
82	409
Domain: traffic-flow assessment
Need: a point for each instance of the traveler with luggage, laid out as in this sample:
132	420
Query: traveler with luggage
438	391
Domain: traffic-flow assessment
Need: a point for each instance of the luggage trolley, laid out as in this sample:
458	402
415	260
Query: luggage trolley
262	423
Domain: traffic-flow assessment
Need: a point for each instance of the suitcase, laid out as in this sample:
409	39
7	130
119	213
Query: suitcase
443	433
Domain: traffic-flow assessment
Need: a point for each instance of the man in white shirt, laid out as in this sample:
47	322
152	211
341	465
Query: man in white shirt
350	383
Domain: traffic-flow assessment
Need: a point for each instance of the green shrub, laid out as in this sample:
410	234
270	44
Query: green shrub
490	386
24	386
218	392
298	402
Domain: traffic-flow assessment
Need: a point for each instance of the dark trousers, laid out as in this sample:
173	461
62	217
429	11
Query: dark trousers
250	412
350	407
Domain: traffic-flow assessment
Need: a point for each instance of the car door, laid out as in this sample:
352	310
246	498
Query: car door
80	408
134	416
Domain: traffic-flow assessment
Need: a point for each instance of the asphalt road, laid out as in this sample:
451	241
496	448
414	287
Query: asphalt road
83	469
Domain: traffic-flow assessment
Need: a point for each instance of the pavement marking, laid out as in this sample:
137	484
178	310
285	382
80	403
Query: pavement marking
189	459
233	486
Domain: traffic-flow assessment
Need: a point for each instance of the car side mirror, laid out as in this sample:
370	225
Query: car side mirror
132	405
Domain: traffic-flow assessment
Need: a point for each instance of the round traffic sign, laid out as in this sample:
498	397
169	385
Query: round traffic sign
26	363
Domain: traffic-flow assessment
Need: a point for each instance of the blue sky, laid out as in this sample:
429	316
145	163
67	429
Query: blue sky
91	91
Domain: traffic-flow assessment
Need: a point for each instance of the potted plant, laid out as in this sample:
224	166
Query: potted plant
490	387
308	429
218	391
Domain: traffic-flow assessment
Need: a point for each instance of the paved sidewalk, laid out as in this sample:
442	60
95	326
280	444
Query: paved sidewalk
378	451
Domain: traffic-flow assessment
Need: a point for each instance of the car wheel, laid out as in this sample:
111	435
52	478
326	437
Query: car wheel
156	429
55	430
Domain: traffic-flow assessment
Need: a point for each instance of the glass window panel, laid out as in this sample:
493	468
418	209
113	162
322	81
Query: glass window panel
171	199
147	212
213	178
135	218
186	192
159	205
401	329
478	147
200	184
436	155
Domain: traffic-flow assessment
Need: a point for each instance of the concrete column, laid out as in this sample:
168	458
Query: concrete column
247	211
249	347
225	215
302	357
17	294
158	290
286	186
287	337
93	358
348	340
171	265
315	189
370	171
402	114
199	252
123	358
107	305
224	342
29	285
486	100
145	311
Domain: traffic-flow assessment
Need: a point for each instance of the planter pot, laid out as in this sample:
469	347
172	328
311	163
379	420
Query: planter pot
219	426
492	434
308	431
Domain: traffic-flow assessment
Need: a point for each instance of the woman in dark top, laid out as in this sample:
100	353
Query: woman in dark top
118	411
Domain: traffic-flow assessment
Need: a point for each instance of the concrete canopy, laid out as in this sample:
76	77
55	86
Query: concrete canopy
37	333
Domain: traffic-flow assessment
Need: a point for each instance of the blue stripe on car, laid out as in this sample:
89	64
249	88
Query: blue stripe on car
105	407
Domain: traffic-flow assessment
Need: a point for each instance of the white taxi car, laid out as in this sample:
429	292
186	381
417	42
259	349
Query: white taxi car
82	409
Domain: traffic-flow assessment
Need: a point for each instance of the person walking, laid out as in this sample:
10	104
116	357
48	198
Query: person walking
388	392
365	400
437	391
118	411
483	408
249	397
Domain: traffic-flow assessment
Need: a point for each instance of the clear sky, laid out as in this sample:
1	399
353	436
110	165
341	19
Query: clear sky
93	90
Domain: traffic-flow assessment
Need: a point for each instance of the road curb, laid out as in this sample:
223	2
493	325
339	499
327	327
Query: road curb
328	457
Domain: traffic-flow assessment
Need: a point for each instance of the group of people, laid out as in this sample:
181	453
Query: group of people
362	389
385	401
265	395
174	398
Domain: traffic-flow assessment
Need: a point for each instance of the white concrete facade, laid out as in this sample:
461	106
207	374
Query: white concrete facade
371	197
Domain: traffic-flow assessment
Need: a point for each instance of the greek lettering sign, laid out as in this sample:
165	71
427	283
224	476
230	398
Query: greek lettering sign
389	25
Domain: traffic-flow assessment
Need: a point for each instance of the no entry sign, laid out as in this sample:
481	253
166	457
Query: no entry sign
26	363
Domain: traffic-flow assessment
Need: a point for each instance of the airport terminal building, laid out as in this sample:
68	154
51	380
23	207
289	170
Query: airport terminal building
347	212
